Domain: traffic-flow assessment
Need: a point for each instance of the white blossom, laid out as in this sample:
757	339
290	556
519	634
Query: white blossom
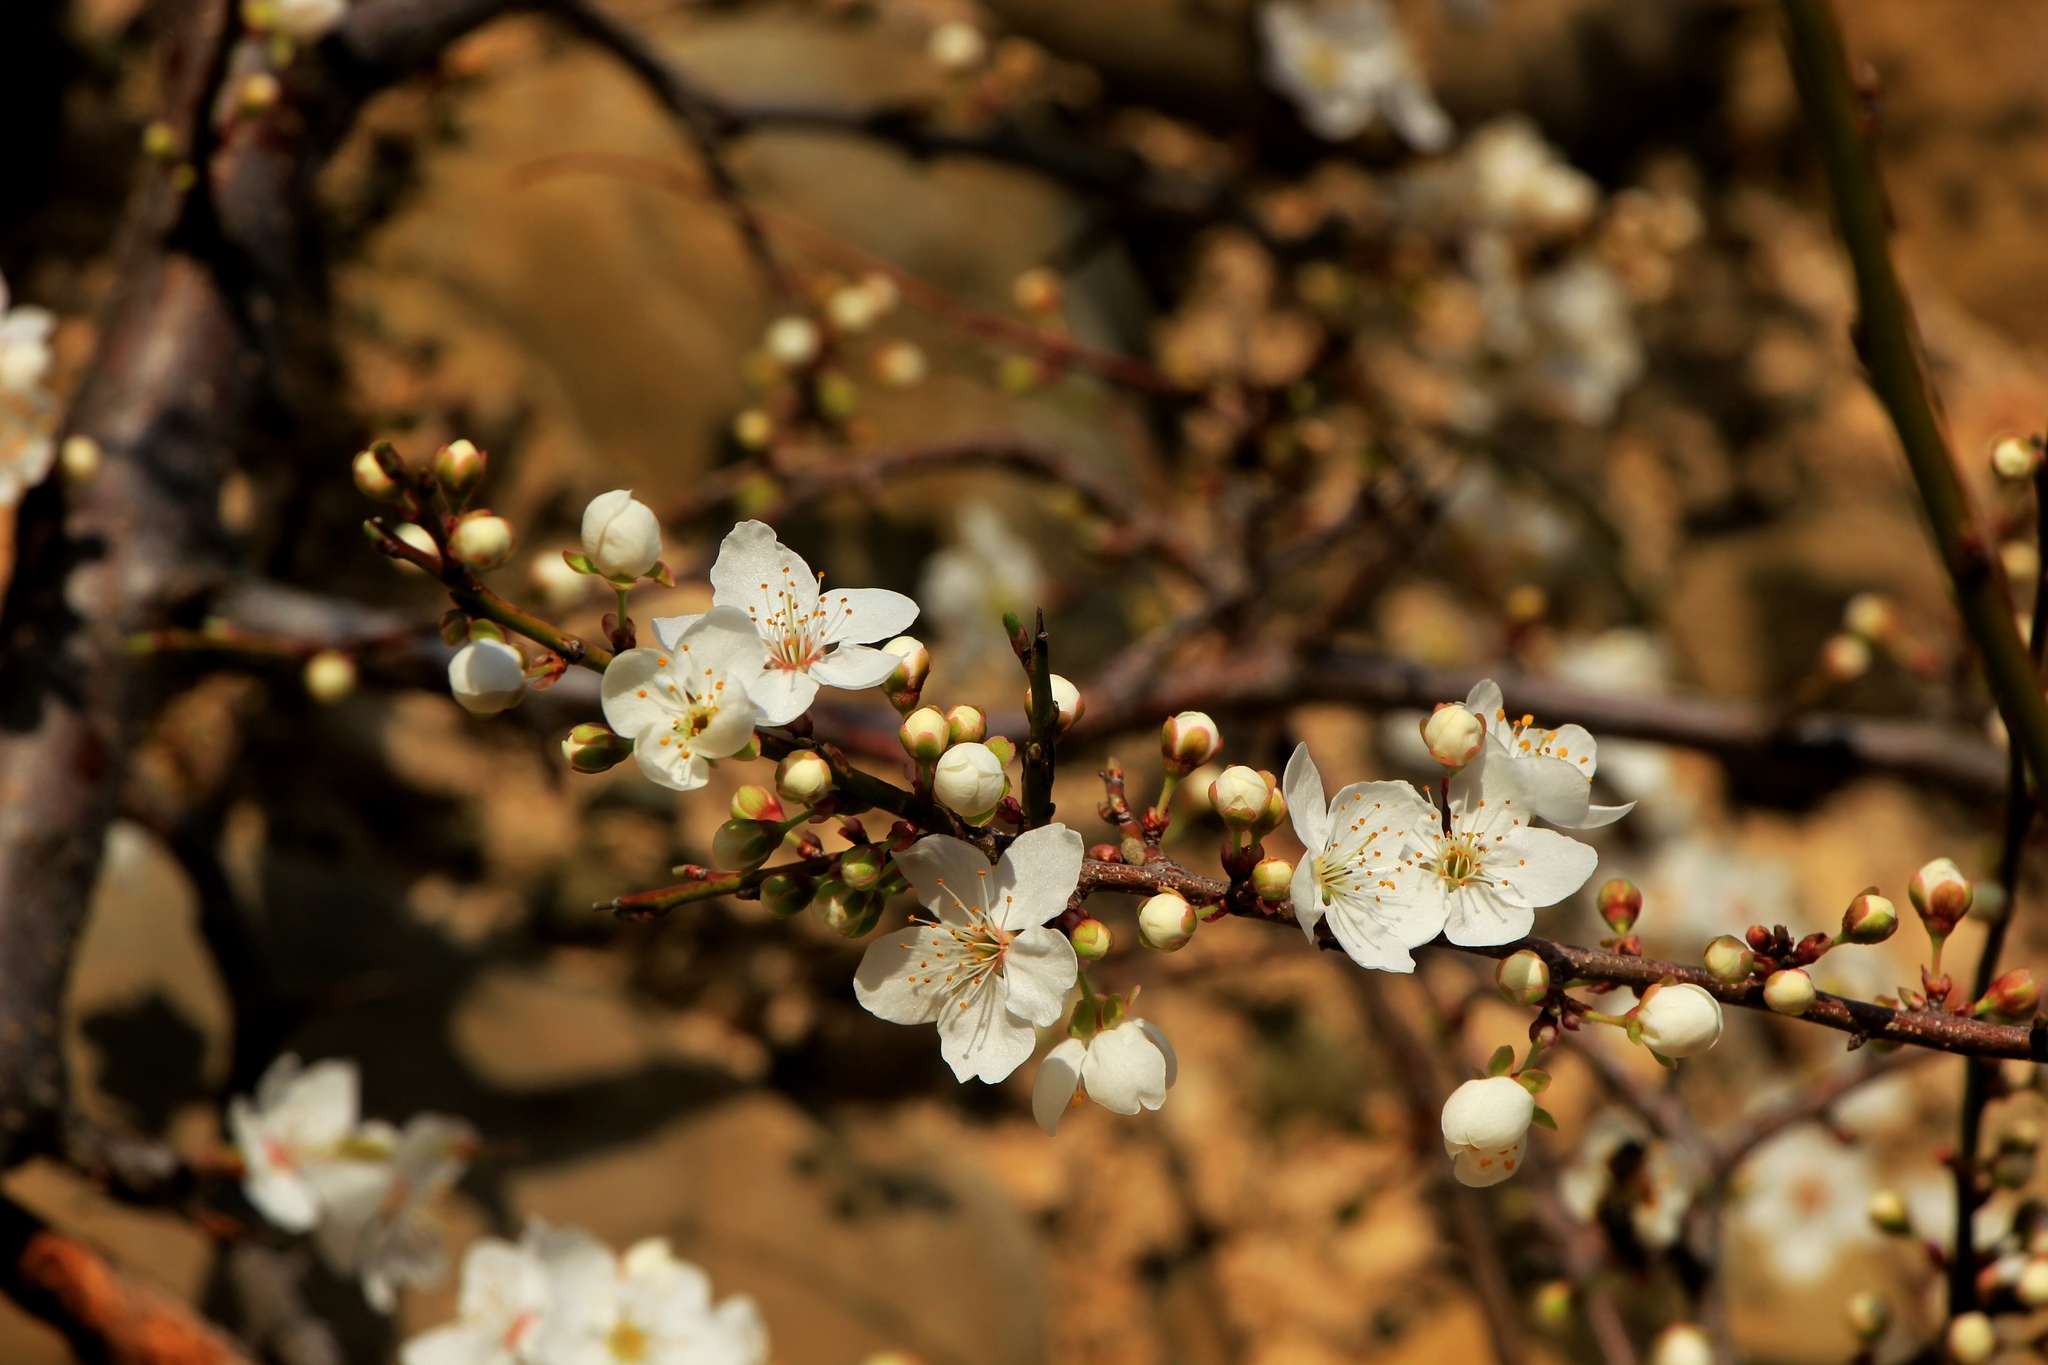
687	703
988	570
1520	182
1805	1197
1345	65
299	1119
486	676
811	637
1352	873
621	535
1123	1069
382	1203
1486	1129
644	1307
969	779
24	344
1660	1188
986	970
1588	354
1555	767
1679	1020
500	1315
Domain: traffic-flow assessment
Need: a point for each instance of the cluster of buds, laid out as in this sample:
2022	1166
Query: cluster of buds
1249	803
905	686
958	762
1186	742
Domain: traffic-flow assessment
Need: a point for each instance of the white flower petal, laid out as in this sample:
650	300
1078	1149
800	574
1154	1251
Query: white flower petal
978	1037
1484	701
1125	1071
1059	1076
1302	785
891	983
754	570
949	876
1542	866
1036	877
781	694
1158	1037
1476	916
1481	1167
634	695
722	640
854	668
321	1104
455	1344
669	629
283	1197
864	615
1039	968
671	765
1598	816
1307	896
1492	1112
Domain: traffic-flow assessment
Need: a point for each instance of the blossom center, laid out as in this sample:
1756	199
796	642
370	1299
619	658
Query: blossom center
1458	861
627	1342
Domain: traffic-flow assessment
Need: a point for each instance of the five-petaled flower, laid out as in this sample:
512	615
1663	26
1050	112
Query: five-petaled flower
1345	65
1486	1129
986	970
642	1307
1353	875
1555	767
687	702
382	1196
1123	1069
501	1313
812	638
291	1136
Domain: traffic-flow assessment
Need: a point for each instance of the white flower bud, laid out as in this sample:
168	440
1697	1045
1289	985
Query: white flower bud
925	734
803	778
753	429
459	466
858	307
1187	741
966	724
1486	1128
79	457
1523	978
956	46
621	535
1972	1339
1273	878
486	676
1681	1344
2014	457
1239	796
969	780
1453	735
1845	657
1872	616
371	480
1888	1213
1679	1020
481	541
906	684
1789	991
901	364
418	537
2032	1287
330	675
1066	699
792	342
1166	922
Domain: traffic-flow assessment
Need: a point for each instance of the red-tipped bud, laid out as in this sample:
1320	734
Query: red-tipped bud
1273	878
1870	918
1239	795
1091	939
786	894
481	540
1729	959
755	803
1453	735
862	866
1187	741
966	725
925	734
1523	978
2012	996
1790	991
373	480
803	777
1942	895
906	684
1621	904
459	466
742	844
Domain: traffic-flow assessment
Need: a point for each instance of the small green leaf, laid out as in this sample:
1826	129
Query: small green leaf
1503	1061
1535	1082
1664	1061
454	627
578	561
1541	1118
660	574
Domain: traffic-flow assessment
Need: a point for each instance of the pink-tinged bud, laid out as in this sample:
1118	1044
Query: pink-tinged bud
1729	959
925	734
1972	1340
1273	878
1105	853
755	803
1870	918
786	894
1869	1315
1273	812
1066	698
459	466
803	778
906	684
1789	992
1091	939
594	748
1166	922
966	725
1942	895
1888	1214
741	845
1845	658
900	364
862	866
1187	741
2012	996
1621	903
1239	795
1523	978
373	480
2015	457
481	541
1453	735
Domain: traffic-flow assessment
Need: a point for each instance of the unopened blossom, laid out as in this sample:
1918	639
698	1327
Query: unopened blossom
1679	1019
1345	66
812	638
621	535
501	1314
1681	1344
2015	457
1167	922
383	1198
1972	1339
986	970
486	676
1123	1069
1453	735
24	344
299	1118
1804	1199
905	684
956	45
1554	767
969	780
1187	741
642	1307
1238	796
792	341
1066	700
687	703
1352	873
1486	1129
924	734
1790	991
481	541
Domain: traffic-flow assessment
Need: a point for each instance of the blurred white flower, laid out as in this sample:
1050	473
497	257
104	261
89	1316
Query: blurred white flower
812	638
686	703
24	344
985	969
299	1118
1520	182
28	444
501	1313
1587	355
989	570
307	21
1345	65
1555	767
382	1200
1123	1069
1352	874
1486	1129
644	1307
1660	1187
1806	1199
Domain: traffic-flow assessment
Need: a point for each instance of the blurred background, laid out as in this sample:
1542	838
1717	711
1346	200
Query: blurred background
1563	308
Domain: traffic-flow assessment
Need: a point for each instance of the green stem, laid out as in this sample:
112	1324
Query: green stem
1045	716
649	904
1166	790
478	600
625	620
1599	1018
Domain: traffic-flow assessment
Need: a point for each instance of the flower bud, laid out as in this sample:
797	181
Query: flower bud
1789	991
1523	978
1091	939
1273	878
80	456
1239	797
1187	741
1037	290
1166	922
792	342
330	675
861	866
621	535
900	364
906	684
2015	457
1869	1314
755	803
845	911
481	540
1678	1020
1729	959
956	45
459	466
1553	1304
1066	699
1453	735
966	725
2012	996
786	894
753	429
419	539
1273	812
1845	657
1621	903
593	748
1871	616
969	780
742	845
857	307
1942	895
1870	918
487	676
1888	1213
1485	1123
924	733
2032	1287
371	479
1972	1339
803	778
1681	1344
